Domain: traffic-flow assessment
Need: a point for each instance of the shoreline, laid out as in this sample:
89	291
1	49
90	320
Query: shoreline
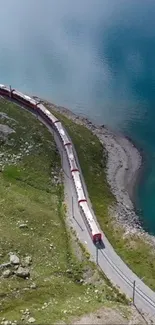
138	178
125	163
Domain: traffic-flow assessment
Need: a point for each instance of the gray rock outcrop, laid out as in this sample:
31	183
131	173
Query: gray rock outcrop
22	272
14	259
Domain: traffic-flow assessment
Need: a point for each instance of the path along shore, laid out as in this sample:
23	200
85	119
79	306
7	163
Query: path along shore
123	165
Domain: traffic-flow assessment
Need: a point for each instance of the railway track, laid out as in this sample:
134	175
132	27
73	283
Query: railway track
108	260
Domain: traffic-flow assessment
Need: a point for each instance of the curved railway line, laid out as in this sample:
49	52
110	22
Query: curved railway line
80	212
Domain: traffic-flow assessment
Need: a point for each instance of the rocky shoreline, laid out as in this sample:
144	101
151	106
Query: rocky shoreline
124	162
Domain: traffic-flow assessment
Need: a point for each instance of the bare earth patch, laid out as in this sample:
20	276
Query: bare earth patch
111	316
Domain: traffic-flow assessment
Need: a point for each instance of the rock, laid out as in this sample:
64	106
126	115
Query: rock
23	225
22	272
31	320
14	259
6	322
5	265
16	267
7	273
69	271
33	286
27	261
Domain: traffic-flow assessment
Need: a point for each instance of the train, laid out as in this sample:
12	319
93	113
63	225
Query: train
38	108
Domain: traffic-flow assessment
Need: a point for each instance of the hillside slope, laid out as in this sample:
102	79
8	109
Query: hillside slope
54	280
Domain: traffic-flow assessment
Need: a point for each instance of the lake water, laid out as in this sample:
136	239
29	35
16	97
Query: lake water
96	57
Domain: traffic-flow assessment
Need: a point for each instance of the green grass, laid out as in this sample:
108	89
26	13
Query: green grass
92	157
30	194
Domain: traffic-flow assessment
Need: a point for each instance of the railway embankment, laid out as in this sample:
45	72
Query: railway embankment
110	163
44	277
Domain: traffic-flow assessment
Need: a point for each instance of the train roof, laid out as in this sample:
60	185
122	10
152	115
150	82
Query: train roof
78	186
89	217
70	152
28	97
3	86
47	112
77	179
25	96
62	133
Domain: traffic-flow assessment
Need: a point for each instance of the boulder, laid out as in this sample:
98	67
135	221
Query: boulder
23	272
6	273
14	259
31	320
6	322
23	225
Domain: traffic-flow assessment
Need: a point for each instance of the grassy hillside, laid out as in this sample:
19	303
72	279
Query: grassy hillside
138	254
32	223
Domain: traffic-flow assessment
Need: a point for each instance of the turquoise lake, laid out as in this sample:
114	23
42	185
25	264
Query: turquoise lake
96	57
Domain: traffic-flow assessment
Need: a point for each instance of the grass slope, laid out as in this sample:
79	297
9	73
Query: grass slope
135	252
31	192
